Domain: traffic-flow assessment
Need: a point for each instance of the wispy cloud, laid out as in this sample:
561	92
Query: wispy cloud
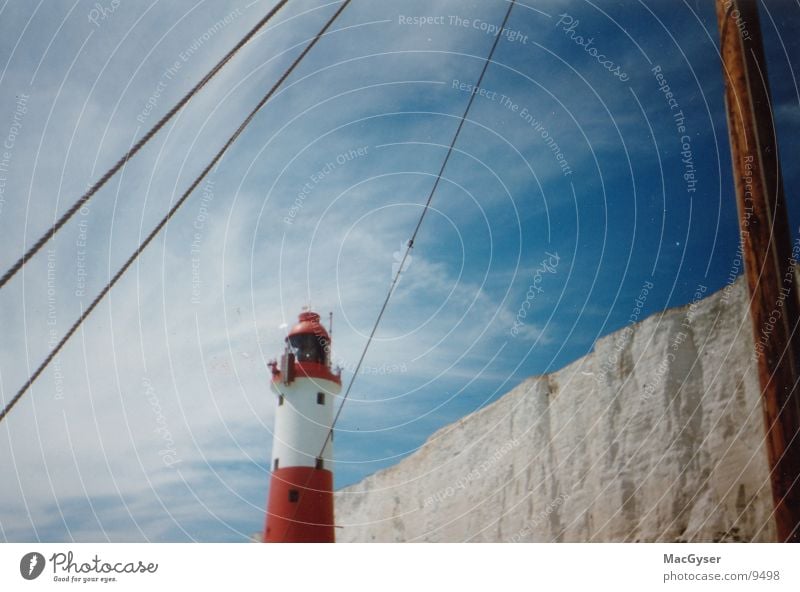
155	421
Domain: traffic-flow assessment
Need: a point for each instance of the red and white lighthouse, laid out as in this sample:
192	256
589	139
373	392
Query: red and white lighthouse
300	506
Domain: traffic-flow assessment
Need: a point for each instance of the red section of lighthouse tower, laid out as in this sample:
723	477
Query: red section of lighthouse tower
305	516
300	505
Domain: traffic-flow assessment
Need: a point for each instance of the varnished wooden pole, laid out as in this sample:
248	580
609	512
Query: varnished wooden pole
768	253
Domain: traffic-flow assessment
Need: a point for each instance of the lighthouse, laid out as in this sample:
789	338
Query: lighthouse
300	505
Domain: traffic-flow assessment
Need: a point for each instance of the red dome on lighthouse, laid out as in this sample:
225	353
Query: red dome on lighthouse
309	325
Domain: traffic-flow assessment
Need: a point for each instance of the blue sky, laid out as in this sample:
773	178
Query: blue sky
155	422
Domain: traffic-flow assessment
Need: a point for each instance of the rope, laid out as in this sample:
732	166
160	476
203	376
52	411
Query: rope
408	250
169	215
12	271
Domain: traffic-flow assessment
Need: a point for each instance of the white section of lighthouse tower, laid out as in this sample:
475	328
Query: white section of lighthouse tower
303	421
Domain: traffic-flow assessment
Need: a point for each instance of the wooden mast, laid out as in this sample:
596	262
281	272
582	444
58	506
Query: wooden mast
768	255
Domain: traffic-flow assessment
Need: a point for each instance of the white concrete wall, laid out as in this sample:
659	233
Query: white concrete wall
657	435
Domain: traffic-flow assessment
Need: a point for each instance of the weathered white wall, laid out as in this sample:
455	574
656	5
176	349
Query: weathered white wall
655	436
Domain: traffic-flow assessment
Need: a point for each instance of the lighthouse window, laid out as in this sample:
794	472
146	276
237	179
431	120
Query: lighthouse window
280	400
276	465
309	348
320	398
294	495
320	464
